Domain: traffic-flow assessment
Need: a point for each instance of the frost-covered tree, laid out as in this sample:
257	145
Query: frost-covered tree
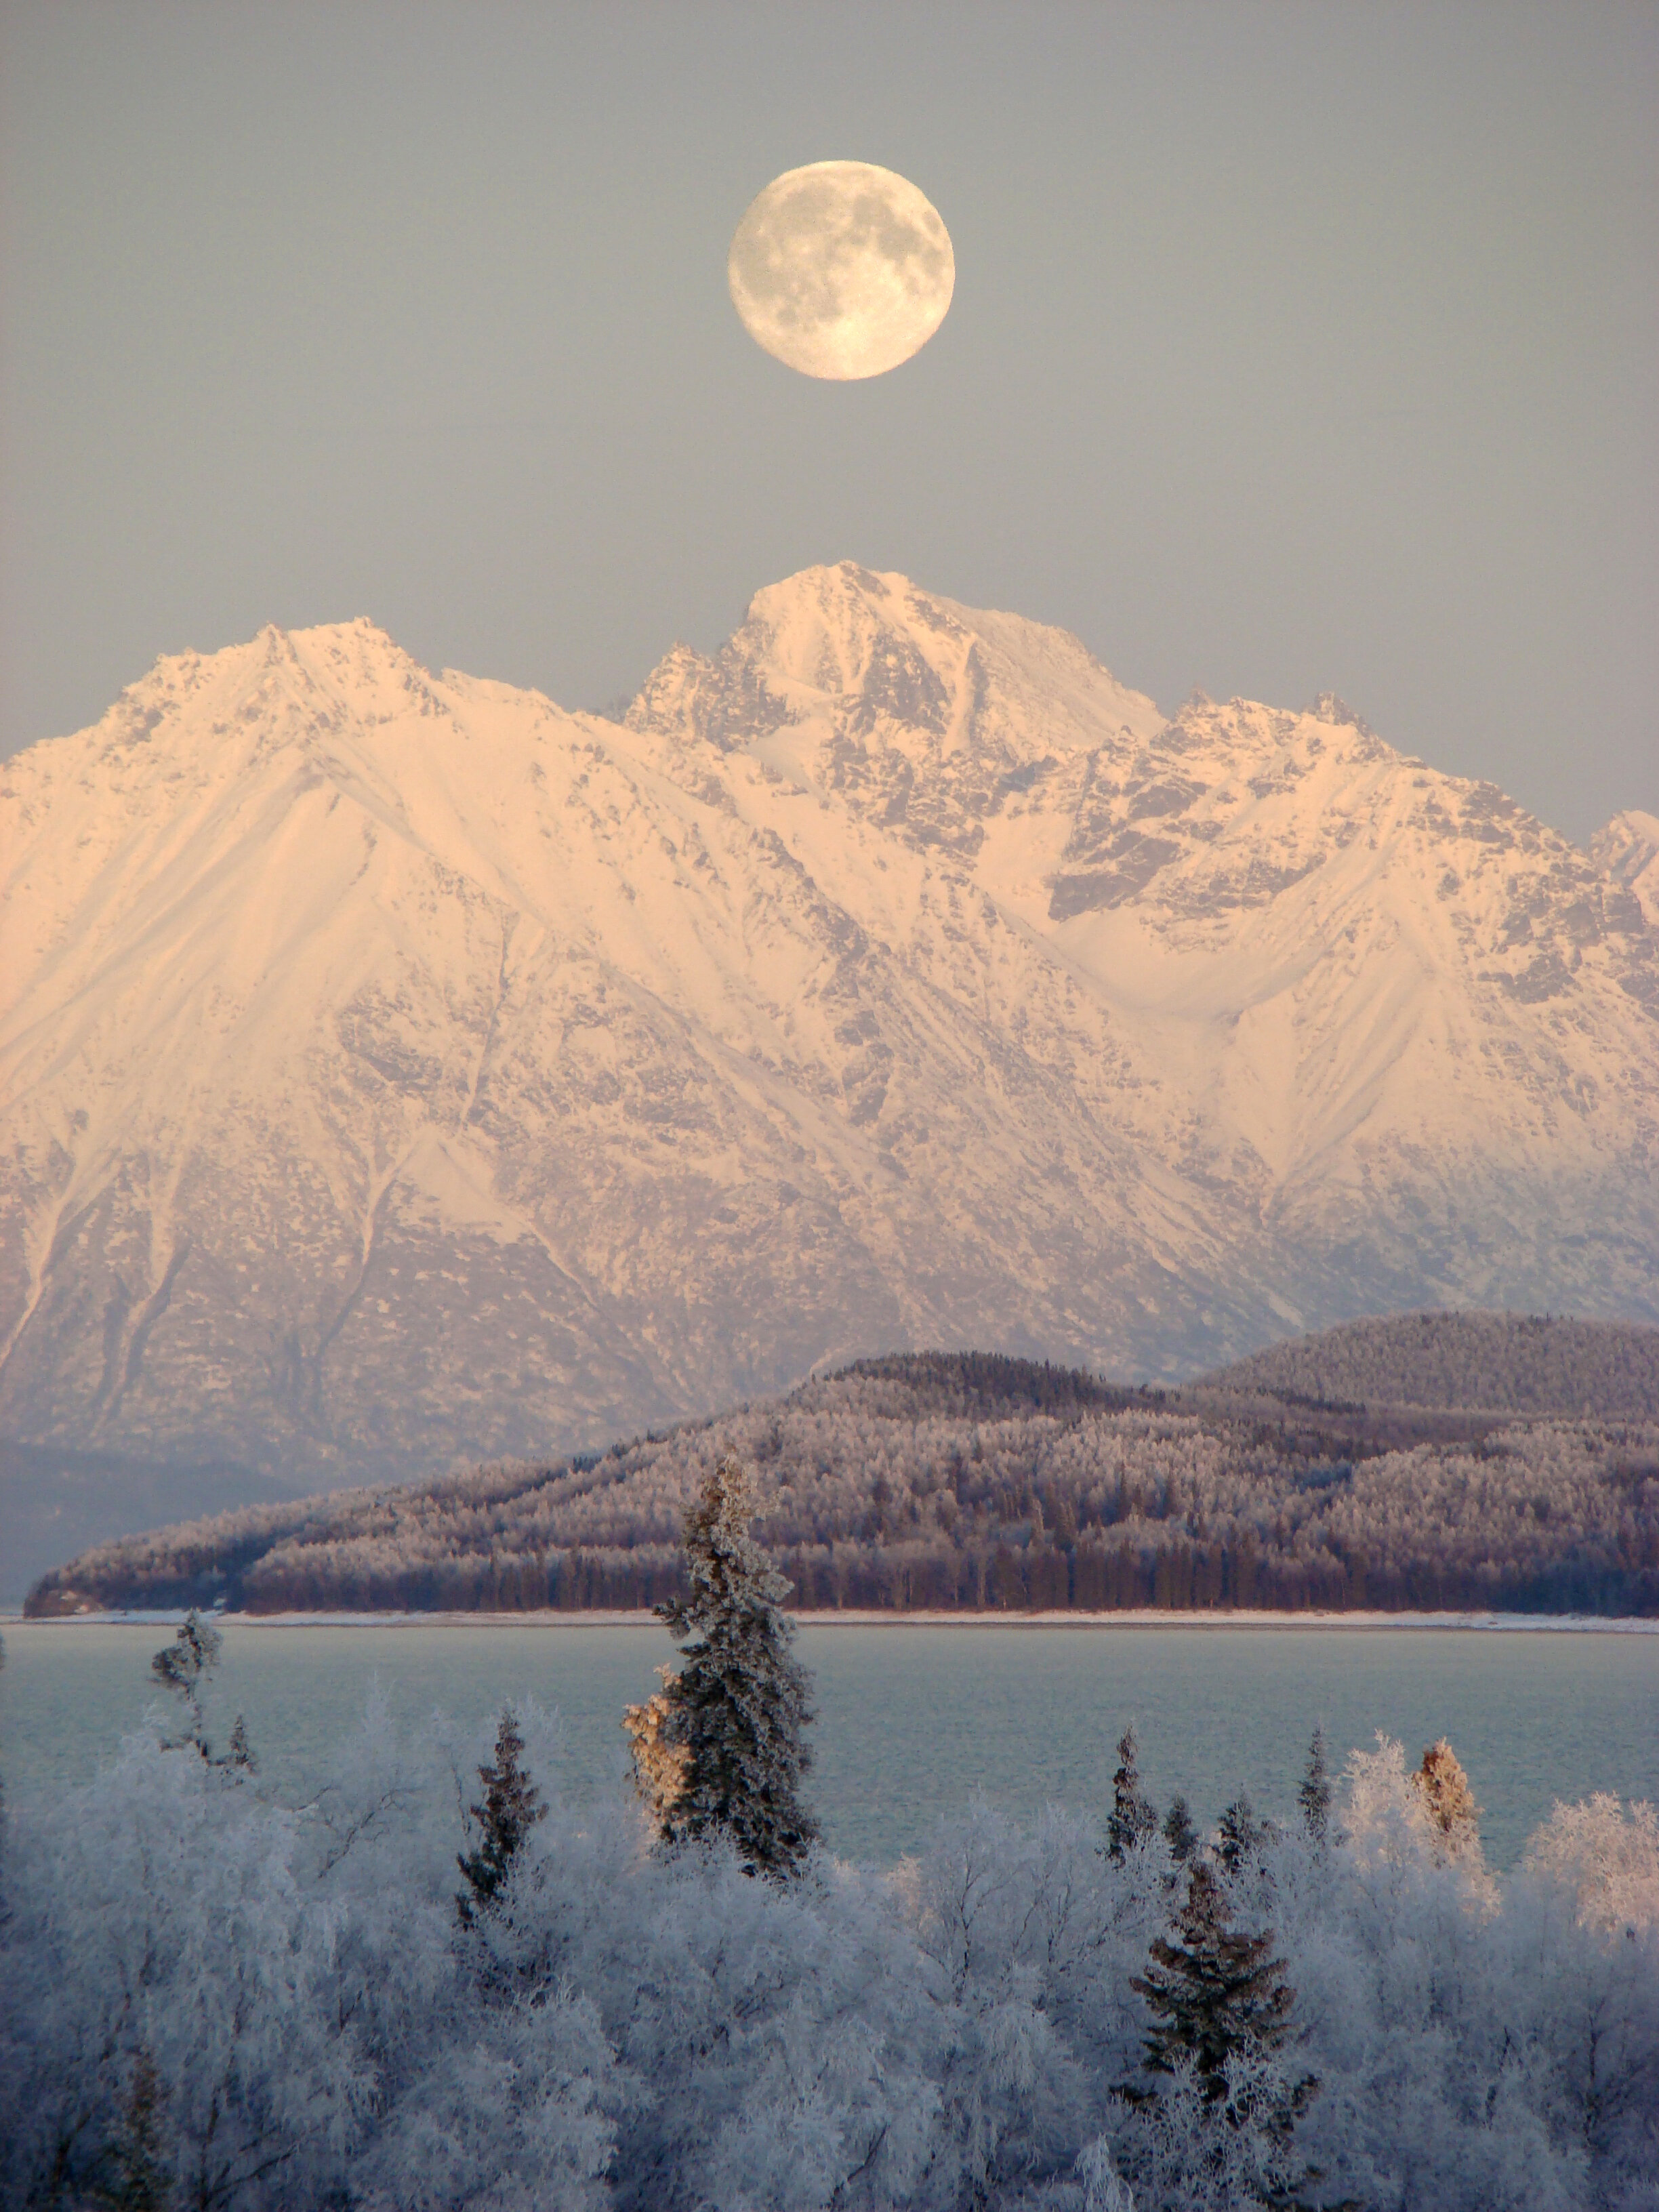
1030	1938
1240	1834
1314	1792
658	1764
172	2001
1607	1857
1217	2131
1212	1988
1104	2189
1447	1799
740	1705
136	2178
493	2084
240	1752
511	1806
184	1667
1179	1832
1389	1818
1191	2153
1133	1818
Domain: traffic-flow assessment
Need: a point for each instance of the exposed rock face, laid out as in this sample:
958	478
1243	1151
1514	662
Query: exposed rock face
397	1068
1628	851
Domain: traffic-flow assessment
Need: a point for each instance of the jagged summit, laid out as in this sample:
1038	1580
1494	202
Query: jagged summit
926	662
395	1067
1330	707
1627	849
845	651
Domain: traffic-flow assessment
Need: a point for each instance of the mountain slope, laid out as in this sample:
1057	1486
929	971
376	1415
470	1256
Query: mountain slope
397	1068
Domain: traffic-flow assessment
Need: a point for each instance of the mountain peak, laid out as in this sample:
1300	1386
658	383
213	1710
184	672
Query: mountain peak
198	700
878	679
1330	707
1627	849
393	1067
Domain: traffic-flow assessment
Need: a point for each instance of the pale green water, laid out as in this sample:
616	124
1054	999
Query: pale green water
911	1718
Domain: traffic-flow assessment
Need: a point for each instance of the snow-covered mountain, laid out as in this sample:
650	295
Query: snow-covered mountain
397	1067
1627	849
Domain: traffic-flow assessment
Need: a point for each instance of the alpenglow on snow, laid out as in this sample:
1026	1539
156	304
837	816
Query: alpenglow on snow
399	1068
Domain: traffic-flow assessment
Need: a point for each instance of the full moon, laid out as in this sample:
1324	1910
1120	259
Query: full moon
841	269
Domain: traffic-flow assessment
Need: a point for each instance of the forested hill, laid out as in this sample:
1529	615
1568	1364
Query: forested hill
1487	1362
967	1481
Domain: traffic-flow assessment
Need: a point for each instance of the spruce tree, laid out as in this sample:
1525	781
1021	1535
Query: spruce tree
1179	1833
740	1703
240	1754
184	1668
1241	1833
1132	1817
1314	1795
511	1806
1212	1989
1448	1801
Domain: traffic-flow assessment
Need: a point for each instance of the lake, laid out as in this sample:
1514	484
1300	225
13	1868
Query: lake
912	1719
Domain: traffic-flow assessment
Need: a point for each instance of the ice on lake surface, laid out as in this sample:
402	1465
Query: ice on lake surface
912	1719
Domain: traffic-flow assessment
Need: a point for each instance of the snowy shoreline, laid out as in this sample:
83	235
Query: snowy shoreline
1491	1623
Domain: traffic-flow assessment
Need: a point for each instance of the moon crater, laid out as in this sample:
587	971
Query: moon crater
841	269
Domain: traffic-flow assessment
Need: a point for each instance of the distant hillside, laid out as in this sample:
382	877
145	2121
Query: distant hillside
1490	1363
967	1482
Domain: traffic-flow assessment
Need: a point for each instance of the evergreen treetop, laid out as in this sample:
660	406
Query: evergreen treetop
182	1668
1443	1789
740	1703
1240	1833
1179	1833
240	1754
1132	1817
1314	1794
511	1806
1211	1989
190	1658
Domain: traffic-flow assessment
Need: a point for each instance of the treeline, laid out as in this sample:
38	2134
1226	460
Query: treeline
968	1483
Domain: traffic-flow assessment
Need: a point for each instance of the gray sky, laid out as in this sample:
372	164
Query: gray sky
1293	347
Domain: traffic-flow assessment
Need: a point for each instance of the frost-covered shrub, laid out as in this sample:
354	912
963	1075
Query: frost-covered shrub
161	1950
1209	2154
1609	1858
